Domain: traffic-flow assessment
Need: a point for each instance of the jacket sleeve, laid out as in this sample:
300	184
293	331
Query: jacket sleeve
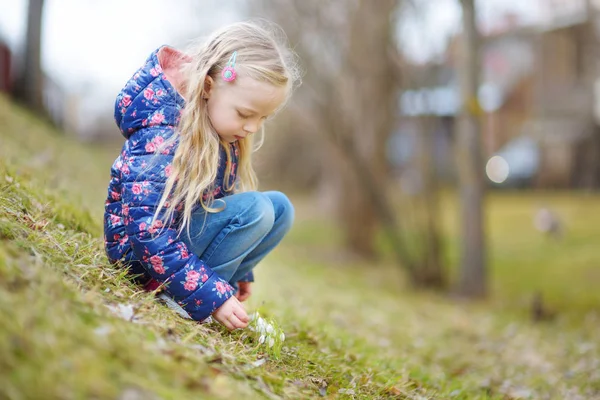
156	244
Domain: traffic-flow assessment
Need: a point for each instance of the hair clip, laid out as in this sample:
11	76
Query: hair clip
228	73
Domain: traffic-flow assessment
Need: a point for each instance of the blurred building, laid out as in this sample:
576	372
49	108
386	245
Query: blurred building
538	91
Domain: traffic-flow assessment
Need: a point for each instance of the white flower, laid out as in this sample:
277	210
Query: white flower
271	342
261	324
261	340
282	336
270	328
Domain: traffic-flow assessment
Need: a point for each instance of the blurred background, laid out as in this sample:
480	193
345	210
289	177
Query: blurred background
456	142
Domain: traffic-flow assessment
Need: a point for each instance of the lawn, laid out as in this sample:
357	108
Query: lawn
77	328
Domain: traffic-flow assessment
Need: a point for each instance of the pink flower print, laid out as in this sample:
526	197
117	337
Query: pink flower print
150	148
115	196
115	219
126	100
157	264
123	240
160	93
142	226
125	209
233	170
168	170
155	71
204	278
148	93
137	188
221	288
192	276
156	225
158	140
125	169
190	285
184	252
157	119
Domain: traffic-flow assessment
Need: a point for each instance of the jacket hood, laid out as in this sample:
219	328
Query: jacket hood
147	99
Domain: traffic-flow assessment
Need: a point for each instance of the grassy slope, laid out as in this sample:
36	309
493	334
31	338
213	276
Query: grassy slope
355	328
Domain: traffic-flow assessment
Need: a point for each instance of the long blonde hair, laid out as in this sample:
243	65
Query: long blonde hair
261	55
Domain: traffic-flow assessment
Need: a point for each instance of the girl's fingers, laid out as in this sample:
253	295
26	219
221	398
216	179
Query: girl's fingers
241	314
235	321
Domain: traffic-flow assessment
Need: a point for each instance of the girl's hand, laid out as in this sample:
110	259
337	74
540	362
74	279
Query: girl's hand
245	290
232	314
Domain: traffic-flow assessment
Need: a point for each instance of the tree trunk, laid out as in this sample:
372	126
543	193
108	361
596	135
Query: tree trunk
430	272
29	83
367	101
473	276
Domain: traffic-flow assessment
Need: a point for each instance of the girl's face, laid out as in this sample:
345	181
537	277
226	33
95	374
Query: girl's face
239	108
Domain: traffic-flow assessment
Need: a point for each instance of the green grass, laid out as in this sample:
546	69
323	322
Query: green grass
353	330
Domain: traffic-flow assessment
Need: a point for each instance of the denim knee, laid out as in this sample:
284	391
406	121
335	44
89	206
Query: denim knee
260	212
284	210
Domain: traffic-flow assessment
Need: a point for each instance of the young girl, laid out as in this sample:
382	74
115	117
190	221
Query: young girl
182	211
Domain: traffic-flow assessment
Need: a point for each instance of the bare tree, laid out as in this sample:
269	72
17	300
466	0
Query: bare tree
473	275
349	98
29	82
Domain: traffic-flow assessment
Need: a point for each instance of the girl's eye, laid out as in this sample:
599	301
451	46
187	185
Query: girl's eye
242	115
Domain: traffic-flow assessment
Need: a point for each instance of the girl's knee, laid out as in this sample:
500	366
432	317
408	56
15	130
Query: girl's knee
284	209
260	210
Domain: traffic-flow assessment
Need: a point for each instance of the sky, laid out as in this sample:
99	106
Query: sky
93	47
424	33
104	41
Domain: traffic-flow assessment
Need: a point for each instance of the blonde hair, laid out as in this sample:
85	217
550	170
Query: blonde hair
261	55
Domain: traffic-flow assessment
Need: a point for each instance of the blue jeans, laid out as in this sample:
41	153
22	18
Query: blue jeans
232	241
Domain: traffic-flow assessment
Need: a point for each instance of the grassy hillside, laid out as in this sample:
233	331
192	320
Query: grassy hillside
74	327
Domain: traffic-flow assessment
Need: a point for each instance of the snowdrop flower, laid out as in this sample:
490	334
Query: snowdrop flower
269	334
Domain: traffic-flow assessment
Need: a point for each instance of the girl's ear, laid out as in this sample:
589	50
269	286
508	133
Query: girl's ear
208	86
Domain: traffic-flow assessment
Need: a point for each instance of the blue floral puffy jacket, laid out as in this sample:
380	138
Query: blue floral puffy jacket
147	110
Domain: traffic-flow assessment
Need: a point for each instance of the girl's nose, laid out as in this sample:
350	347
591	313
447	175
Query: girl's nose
251	128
